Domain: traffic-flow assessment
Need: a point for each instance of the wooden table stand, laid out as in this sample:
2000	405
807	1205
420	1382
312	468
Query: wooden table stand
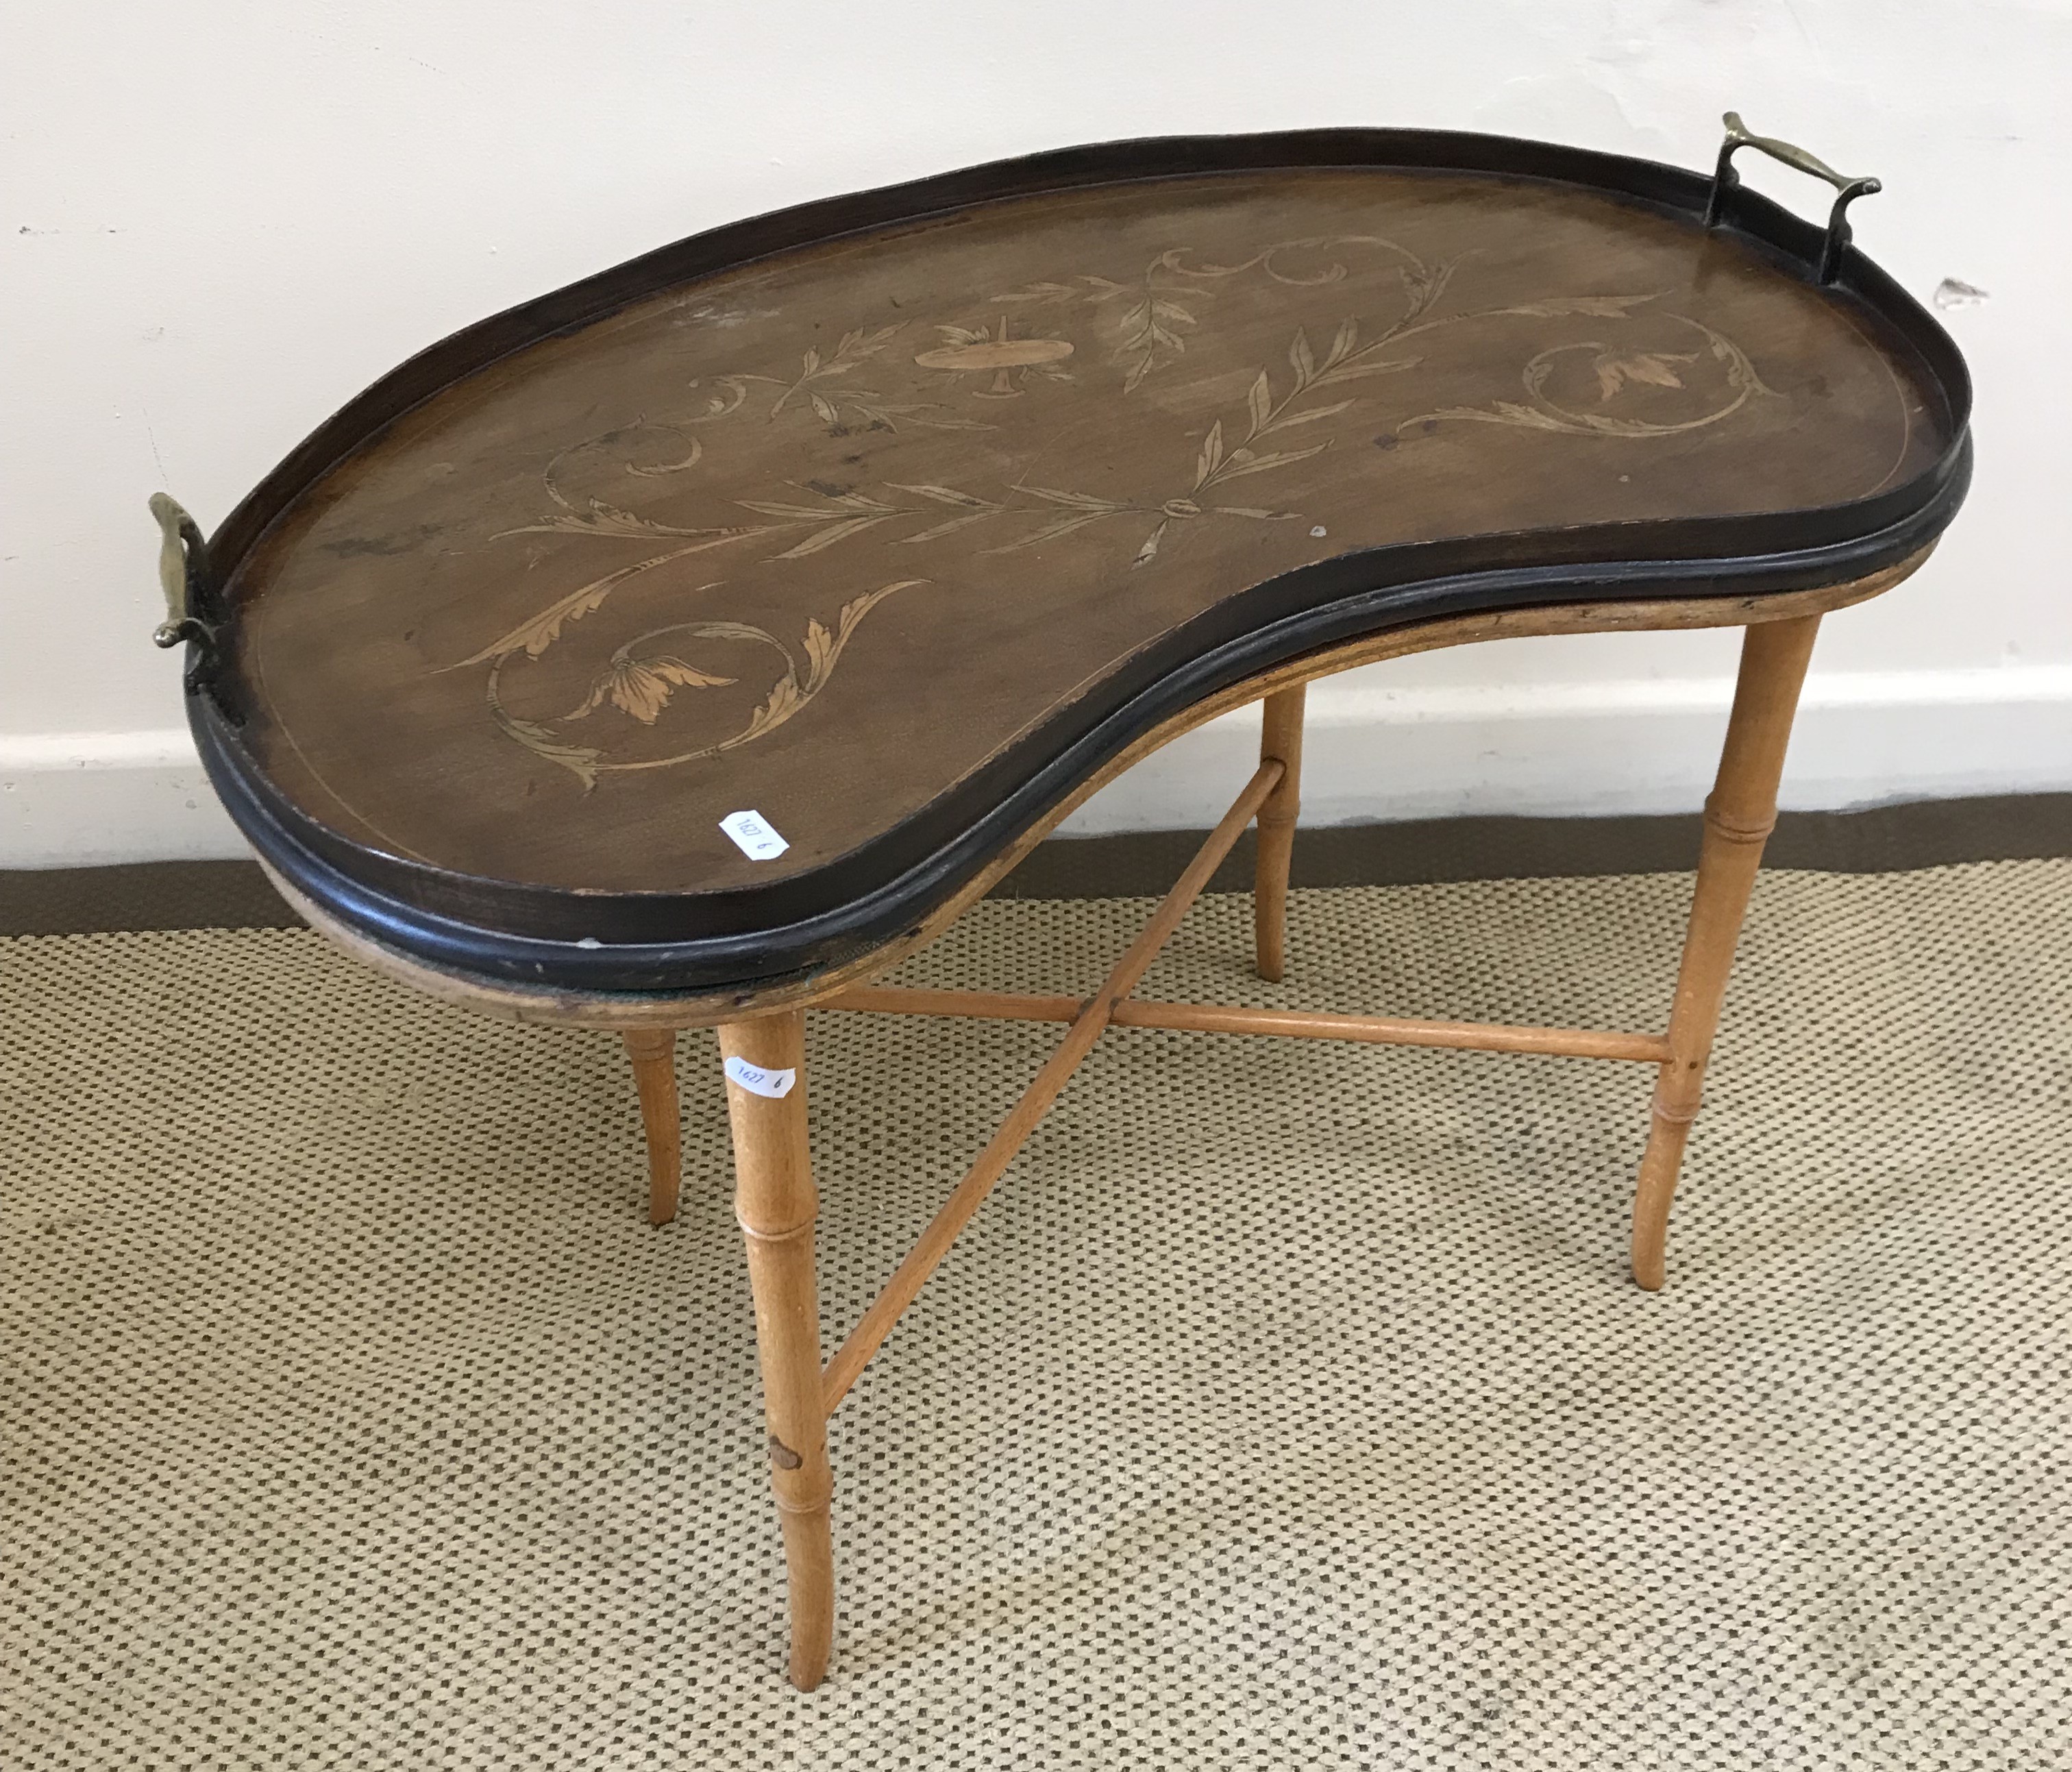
774	1199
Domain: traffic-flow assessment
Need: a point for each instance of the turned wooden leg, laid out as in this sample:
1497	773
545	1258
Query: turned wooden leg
1739	815
775	1200
653	1051
1280	741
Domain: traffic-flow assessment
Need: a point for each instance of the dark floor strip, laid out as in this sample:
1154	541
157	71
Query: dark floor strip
1877	839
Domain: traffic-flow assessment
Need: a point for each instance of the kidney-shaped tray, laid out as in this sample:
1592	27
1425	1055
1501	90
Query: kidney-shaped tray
893	519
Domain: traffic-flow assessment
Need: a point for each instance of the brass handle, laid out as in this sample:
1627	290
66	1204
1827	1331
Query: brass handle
179	536
183	577
1726	180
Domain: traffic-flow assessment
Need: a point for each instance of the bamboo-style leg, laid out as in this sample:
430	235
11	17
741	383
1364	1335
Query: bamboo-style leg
775	1200
1280	741
1739	815
653	1051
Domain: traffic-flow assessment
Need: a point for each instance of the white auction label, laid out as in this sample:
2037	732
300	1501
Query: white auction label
752	836
757	1081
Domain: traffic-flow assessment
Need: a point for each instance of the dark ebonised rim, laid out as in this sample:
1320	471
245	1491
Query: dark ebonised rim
758	936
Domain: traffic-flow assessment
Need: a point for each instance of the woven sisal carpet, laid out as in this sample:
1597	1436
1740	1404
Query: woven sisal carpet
1288	1406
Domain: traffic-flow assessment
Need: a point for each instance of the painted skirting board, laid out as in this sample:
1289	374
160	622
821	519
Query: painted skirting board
1609	748
1373	754
81	799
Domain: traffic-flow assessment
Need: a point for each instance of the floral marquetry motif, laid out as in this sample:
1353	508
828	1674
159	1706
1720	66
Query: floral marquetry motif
843	522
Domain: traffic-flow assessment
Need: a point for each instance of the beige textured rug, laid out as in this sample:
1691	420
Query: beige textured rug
1288	1406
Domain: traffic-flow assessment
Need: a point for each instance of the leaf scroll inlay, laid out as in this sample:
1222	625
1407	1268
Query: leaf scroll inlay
1320	392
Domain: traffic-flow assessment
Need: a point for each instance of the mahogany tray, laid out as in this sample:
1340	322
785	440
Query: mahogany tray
896	519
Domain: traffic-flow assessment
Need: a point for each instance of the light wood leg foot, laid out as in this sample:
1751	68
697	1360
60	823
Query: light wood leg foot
1738	817
1280	741
653	1051
776	1203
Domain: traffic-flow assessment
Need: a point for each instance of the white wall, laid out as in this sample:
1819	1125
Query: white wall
218	221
